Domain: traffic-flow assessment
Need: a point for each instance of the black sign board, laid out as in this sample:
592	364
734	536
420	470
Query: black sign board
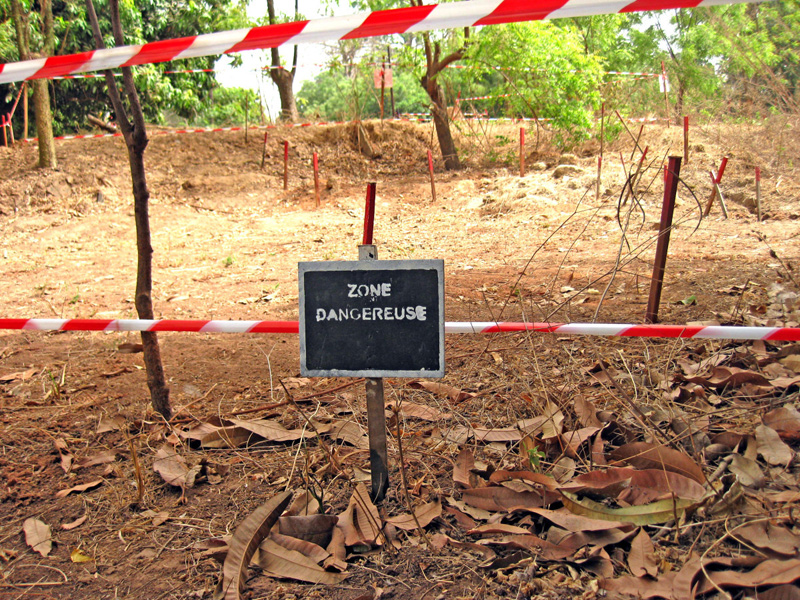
372	318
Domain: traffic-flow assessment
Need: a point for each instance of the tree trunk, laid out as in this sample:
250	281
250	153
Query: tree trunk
135	135
41	93
442	123
44	124
284	80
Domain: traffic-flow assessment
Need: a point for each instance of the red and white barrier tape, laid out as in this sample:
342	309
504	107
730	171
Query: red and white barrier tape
368	24
783	334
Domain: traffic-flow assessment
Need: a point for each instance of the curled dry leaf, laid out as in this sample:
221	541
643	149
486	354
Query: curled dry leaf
747	471
441	389
100	458
76	523
38	536
768	572
786	421
644	455
462	469
311	528
412	410
772	448
247	537
171	466
272	430
279	561
642	557
424	515
770	537
79	488
108	423
79	556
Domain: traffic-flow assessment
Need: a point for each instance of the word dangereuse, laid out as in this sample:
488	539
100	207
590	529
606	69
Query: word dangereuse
370	313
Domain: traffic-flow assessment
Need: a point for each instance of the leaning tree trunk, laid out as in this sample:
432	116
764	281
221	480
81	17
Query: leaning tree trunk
441	121
135	136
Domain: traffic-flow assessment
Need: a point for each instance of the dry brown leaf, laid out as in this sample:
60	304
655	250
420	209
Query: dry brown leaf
747	471
495	528
441	389
462	470
424	513
79	556
38	535
538	479
309	549
247	537
108	423
768	572
172	467
781	592
96	459
770	537
304	505
644	455
474	512
772	448
214	433
784	420
585	411
350	432
311	528
574	522
79	488
573	440
366	516
76	523
272	430
412	410
613	481
18	376
642	557
564	469
279	561
498	498
66	456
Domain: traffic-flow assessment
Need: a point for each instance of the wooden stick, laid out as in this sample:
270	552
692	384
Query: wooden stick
264	151
714	189
316	179
10	128
685	140
666	97
430	171
602	146
717	192
522	152
286	165
758	193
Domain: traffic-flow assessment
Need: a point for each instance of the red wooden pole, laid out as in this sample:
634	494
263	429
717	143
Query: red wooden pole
316	178
264	151
430	171
286	165
673	170
686	140
522	152
717	181
369	213
10	128
3	124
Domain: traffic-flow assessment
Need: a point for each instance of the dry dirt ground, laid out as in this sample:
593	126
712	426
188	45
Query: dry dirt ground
227	239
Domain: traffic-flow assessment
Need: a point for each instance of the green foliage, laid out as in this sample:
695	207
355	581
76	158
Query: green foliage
549	76
226	108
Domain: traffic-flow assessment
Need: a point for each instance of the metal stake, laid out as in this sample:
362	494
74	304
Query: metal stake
376	416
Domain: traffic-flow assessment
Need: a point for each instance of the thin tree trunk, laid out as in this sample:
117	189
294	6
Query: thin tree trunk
44	124
284	80
135	135
441	121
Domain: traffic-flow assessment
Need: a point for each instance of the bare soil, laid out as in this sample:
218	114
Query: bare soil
227	239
